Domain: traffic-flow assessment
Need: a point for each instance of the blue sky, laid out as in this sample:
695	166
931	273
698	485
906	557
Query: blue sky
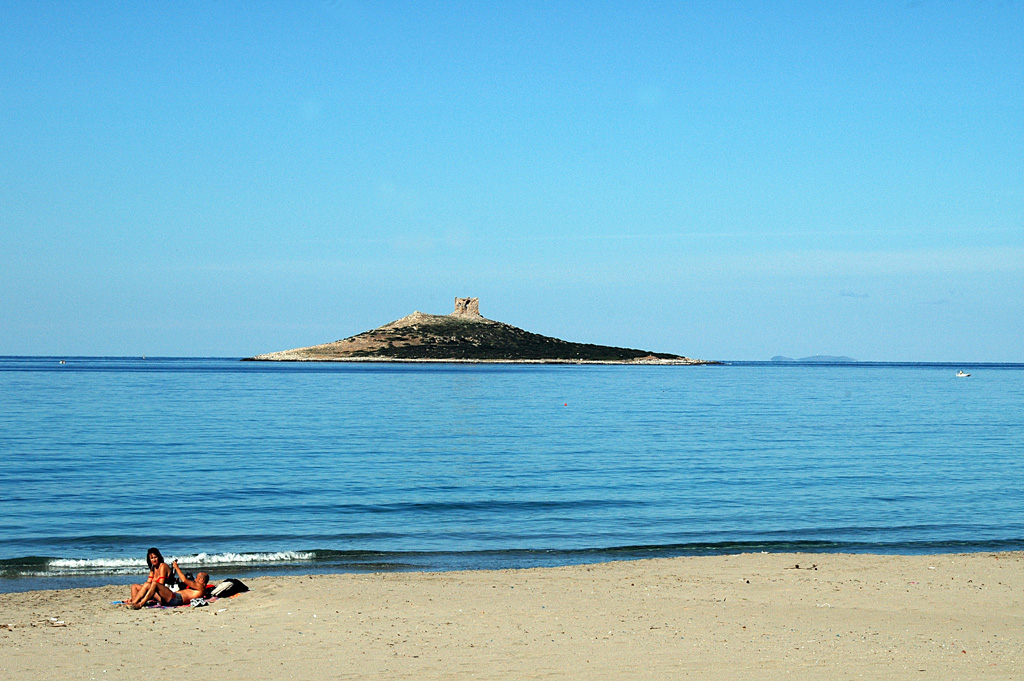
725	180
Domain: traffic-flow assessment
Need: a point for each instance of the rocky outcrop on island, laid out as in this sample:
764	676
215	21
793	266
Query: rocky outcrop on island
465	336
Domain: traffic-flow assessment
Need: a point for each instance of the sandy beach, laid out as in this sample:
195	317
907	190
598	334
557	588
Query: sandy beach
752	616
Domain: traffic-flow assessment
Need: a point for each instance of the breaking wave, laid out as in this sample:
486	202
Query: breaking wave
72	566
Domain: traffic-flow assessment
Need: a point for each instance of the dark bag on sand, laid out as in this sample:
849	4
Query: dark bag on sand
175	584
229	587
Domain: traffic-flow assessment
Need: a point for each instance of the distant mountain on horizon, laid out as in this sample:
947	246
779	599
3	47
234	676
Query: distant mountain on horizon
816	359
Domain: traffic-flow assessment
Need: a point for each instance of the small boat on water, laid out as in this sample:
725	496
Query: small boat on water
961	374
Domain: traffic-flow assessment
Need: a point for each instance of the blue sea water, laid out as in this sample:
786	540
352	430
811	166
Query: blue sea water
248	468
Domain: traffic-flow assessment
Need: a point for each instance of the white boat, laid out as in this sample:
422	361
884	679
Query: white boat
961	374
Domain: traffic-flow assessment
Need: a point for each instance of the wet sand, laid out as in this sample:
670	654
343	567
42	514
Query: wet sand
752	616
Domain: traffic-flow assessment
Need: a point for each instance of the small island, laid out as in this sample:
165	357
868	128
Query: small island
465	336
815	359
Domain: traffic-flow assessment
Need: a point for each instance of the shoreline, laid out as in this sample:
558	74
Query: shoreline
32	579
394	360
742	616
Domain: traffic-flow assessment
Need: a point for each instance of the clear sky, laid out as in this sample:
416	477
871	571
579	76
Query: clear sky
725	180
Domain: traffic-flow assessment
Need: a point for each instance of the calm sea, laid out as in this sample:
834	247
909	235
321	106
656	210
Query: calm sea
246	468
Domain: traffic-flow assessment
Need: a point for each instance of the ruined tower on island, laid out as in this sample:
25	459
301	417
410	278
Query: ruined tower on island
467	307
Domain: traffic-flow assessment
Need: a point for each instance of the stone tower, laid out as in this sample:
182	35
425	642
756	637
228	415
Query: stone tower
467	307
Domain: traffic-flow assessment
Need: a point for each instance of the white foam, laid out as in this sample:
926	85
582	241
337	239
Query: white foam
130	565
241	558
94	563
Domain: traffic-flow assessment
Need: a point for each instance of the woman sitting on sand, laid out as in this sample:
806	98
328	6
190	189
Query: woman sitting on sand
158	574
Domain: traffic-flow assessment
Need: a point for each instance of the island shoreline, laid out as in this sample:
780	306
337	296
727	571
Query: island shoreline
394	360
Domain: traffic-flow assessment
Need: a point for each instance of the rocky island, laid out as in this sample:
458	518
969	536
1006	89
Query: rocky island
465	336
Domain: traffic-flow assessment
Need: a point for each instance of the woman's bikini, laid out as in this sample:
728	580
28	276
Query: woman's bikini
176	598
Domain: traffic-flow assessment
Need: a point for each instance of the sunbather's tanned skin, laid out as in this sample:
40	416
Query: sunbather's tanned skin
193	588
158	574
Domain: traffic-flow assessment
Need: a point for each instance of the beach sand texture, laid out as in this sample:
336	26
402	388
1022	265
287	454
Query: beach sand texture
752	616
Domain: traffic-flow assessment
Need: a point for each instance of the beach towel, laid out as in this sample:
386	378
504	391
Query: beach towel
153	605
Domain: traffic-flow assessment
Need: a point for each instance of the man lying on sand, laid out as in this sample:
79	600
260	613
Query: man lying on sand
192	588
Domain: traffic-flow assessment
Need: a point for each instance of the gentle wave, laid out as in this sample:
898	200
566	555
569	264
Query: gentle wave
95	563
119	566
245	558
